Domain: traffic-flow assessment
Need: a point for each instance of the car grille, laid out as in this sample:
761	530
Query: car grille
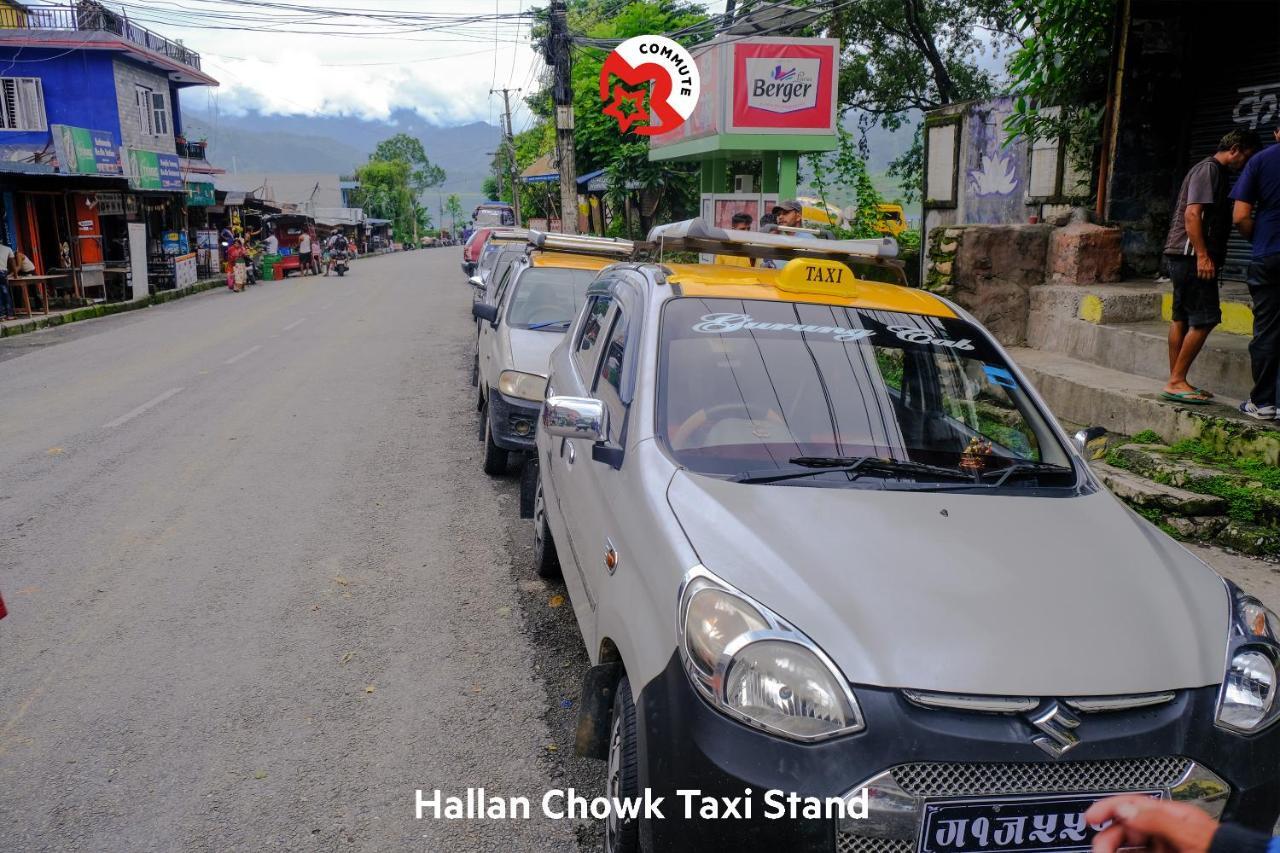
1068	777
857	844
931	780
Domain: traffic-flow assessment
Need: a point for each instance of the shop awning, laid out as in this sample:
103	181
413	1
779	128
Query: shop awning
541	171
234	199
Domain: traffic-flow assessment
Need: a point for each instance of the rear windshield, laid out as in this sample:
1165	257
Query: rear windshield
755	385
548	298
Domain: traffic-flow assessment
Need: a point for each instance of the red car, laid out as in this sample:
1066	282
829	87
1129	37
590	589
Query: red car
3	612
472	248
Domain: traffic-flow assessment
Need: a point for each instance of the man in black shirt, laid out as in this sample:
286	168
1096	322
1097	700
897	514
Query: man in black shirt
1194	251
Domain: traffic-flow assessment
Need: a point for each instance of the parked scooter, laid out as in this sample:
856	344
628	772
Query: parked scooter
340	263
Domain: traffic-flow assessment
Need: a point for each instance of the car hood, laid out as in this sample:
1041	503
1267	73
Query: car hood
531	349
981	594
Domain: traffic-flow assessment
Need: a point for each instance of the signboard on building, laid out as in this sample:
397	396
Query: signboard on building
783	86
82	151
200	194
150	170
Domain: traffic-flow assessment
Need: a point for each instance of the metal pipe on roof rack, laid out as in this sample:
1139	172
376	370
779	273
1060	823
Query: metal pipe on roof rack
582	244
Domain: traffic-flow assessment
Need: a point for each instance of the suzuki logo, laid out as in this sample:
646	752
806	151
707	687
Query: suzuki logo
1059	725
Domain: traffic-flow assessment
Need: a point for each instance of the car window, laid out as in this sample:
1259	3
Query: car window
754	384
608	384
589	339
547	297
503	281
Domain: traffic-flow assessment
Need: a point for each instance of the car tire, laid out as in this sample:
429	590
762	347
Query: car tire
546	562
495	458
622	774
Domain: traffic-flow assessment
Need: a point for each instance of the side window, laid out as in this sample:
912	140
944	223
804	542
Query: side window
608	384
589	340
502	284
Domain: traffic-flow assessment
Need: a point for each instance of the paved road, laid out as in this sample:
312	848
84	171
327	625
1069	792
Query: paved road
260	591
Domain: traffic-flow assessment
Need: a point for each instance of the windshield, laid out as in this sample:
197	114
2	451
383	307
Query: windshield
548	298
766	387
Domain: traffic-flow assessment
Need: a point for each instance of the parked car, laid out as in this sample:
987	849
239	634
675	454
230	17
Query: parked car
536	300
823	538
502	240
472	248
3	611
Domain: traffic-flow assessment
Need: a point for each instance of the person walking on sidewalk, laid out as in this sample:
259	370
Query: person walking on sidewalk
1193	254
304	252
1257	215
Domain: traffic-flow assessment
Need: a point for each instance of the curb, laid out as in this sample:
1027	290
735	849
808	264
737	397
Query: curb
106	310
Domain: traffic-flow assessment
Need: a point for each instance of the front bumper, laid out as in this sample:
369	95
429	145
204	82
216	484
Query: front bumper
930	754
513	423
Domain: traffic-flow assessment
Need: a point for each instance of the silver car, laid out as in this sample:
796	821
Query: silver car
827	548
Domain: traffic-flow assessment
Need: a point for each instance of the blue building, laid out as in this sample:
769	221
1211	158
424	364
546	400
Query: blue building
93	160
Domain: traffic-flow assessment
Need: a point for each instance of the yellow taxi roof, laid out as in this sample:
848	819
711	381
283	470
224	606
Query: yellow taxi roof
734	282
569	261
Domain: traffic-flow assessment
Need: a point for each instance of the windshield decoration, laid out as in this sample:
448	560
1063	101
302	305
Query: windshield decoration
716	324
914	335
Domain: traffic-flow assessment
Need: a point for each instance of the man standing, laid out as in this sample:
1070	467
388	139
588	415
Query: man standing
1257	215
1193	253
740	222
273	244
790	214
6	300
304	252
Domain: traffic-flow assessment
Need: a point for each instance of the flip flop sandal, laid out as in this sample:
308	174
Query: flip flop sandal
1208	395
1194	398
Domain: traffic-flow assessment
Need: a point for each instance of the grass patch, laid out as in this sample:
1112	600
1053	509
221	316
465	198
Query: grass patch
1148	436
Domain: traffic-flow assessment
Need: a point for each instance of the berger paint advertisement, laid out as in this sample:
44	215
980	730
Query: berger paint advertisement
783	86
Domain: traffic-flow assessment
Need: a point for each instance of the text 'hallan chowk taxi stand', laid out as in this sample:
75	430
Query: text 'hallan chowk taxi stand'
766	99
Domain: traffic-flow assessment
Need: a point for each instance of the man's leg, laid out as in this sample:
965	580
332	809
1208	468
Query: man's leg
1264	349
1196	311
1177	334
1192	343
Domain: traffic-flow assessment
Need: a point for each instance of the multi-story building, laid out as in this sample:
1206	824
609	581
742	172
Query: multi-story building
95	171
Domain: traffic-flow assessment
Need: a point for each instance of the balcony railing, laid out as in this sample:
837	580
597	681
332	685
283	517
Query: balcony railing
191	150
92	17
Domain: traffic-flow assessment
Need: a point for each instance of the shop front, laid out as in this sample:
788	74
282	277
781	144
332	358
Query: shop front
161	207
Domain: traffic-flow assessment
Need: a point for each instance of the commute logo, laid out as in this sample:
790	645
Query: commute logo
671	76
782	88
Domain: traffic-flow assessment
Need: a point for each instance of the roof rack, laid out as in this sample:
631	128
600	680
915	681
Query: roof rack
695	235
578	244
509	235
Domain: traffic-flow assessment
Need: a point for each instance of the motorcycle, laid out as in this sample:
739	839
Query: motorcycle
340	263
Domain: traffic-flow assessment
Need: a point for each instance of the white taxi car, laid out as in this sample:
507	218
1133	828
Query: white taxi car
520	322
825	543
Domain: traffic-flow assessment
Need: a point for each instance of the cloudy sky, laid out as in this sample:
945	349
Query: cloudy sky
353	57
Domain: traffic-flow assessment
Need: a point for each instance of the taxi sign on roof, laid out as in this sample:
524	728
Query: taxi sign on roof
817	275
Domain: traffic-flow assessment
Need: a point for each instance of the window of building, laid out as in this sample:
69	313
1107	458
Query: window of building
153	113
22	104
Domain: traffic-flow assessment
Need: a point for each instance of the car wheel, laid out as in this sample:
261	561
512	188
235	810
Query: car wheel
495	458
545	559
622	777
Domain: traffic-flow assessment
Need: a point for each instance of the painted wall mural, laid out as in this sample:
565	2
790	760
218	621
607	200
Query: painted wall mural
993	191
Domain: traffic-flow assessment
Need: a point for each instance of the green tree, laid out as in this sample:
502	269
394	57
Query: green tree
903	57
846	167
453	209
408	149
386	193
1059	73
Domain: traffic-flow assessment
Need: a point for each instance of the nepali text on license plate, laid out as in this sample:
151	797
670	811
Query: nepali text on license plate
1010	825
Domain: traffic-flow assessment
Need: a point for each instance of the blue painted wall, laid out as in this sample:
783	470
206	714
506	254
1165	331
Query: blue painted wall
79	90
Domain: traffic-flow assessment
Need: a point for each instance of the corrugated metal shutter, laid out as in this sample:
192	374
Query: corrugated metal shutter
1246	96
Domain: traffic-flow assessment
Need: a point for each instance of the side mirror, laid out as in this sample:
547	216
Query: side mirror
476	282
488	313
1091	442
575	417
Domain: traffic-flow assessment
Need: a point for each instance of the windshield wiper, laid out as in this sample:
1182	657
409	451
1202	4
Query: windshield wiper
561	323
854	467
1034	469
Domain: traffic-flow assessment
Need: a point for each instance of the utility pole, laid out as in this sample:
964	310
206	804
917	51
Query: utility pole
558	46
511	151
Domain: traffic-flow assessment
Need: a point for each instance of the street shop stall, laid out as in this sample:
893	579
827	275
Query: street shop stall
378	235
288	229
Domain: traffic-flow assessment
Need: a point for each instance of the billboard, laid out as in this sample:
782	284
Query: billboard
150	170
783	86
81	151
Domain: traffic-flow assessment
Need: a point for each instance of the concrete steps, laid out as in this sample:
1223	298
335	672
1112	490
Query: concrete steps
1125	403
1120	326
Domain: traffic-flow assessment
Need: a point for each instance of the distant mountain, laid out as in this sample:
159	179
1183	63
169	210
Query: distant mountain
337	144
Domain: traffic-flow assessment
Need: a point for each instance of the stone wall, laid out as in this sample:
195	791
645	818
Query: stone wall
989	271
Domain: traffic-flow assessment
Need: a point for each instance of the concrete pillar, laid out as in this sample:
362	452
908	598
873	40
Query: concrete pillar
788	167
769	172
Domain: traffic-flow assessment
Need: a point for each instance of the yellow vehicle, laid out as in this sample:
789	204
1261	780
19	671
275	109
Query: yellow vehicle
893	219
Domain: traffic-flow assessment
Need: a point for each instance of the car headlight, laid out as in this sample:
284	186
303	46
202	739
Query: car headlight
753	666
1247	702
523	386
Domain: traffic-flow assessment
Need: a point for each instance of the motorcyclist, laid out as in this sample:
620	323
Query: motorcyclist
335	245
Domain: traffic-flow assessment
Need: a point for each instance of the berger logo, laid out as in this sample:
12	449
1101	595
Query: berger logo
670	74
1058	725
785	87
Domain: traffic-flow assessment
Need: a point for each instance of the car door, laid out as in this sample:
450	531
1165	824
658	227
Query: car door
592	520
566	470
